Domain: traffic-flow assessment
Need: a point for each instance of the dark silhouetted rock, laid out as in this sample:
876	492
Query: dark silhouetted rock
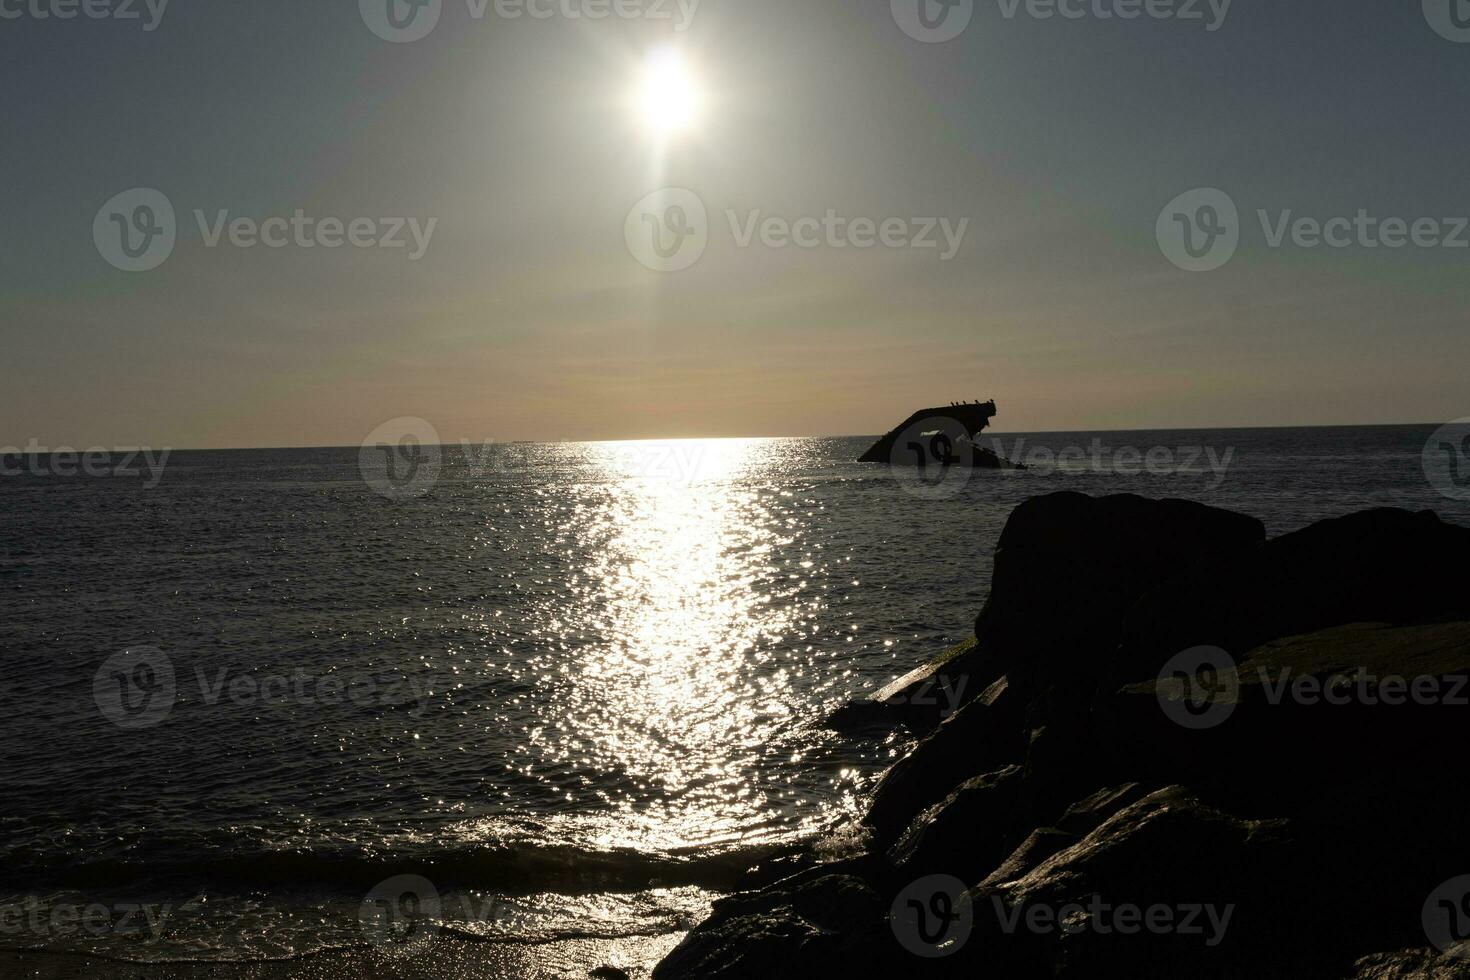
1068	567
1323	809
809	926
1378	566
1412	964
919	700
965	834
983	737
1167	850
1323	708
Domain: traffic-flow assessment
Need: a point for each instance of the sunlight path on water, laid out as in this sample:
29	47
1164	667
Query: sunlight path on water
683	695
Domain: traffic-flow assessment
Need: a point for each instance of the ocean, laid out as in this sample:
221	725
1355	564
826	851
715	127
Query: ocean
575	687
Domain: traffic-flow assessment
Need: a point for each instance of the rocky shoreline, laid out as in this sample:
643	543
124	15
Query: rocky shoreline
1174	748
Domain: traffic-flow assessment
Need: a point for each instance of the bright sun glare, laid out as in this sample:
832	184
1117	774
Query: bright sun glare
668	99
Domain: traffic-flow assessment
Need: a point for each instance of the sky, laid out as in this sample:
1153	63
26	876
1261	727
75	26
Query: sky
1064	148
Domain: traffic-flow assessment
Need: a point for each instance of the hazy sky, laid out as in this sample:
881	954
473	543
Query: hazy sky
1061	140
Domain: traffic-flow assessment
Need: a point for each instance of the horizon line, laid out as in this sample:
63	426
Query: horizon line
16	450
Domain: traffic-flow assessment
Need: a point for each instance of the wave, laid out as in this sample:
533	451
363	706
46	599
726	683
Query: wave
522	868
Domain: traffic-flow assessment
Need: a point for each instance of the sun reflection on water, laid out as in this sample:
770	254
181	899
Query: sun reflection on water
681	693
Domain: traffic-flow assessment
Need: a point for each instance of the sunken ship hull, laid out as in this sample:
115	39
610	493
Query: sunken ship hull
947	436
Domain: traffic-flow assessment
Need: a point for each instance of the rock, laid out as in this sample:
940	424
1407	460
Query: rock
1068	568
919	700
982	737
1321	825
1412	964
1324	708
1384	566
1168	850
1039	845
967	833
806	927
1079	820
609	973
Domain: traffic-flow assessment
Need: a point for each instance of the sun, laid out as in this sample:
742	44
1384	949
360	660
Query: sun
667	98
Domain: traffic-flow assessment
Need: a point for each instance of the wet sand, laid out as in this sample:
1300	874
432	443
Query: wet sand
446	959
